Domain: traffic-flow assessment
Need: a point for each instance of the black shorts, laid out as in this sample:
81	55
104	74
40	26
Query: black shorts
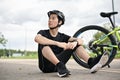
46	66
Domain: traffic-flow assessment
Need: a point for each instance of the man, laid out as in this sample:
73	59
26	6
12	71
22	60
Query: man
55	48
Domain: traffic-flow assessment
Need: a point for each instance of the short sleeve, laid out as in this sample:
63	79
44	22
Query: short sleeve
41	32
65	37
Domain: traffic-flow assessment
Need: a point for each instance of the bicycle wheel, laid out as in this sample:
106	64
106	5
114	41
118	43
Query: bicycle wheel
91	33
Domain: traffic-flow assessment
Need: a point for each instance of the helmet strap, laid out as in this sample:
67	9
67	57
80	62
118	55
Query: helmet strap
55	27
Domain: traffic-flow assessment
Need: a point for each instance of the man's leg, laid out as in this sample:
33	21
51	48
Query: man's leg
82	53
49	55
65	55
44	64
94	63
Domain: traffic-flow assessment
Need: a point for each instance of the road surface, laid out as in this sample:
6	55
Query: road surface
27	69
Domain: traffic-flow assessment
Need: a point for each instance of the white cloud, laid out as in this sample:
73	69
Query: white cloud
18	16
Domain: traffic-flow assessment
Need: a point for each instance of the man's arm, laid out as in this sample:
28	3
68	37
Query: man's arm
45	41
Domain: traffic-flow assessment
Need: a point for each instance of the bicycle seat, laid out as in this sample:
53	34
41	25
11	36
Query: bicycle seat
108	14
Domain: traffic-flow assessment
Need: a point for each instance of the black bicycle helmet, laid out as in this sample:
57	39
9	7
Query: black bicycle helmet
59	14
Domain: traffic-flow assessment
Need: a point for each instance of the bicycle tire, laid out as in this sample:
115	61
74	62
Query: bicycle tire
111	38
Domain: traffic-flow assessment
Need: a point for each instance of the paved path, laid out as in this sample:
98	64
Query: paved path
27	69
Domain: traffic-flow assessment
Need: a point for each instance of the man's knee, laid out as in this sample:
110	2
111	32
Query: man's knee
45	48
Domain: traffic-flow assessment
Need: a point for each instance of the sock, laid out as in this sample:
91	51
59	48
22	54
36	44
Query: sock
90	62
93	61
59	64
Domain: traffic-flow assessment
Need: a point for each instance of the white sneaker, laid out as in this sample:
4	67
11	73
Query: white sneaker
102	61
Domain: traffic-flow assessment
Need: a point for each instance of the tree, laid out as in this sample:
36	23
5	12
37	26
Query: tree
3	41
100	34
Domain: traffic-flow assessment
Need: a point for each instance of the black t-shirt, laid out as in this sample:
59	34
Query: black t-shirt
61	37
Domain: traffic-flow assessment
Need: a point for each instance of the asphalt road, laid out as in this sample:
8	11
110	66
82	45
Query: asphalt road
27	69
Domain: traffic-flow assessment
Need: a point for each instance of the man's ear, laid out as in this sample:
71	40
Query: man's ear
60	22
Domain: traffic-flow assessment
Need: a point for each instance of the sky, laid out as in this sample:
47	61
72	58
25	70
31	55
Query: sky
20	20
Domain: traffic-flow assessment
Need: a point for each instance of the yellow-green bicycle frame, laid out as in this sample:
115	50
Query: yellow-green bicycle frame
114	32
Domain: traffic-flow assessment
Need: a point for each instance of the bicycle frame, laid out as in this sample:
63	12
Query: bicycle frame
104	37
117	33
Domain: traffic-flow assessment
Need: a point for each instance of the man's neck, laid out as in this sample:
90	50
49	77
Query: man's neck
53	32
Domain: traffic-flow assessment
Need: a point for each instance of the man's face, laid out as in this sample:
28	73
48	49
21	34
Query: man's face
53	21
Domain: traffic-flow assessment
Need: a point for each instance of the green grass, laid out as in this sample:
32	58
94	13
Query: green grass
33	56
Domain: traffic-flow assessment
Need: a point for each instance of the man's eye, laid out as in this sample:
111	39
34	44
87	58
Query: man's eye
53	18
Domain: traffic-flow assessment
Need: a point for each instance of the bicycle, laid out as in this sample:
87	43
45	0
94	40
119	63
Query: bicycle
98	39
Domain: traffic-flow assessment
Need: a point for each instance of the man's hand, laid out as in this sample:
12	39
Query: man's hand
65	46
62	45
71	45
78	40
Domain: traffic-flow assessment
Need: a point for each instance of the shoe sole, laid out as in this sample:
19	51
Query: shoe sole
63	75
95	68
99	65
